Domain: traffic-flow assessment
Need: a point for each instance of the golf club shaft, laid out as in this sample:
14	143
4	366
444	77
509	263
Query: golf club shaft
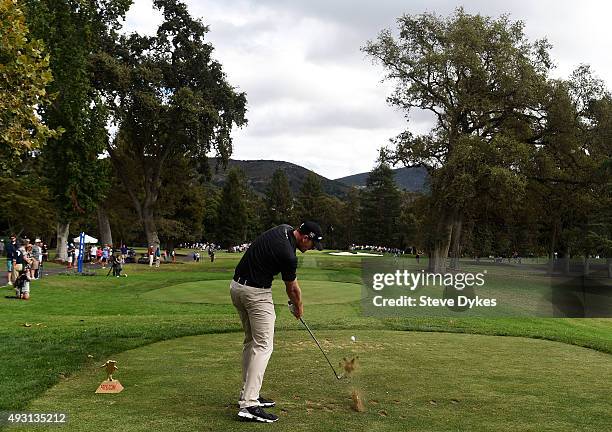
319	345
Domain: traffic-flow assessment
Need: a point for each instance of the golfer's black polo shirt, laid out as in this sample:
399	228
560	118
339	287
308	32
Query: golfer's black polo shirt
271	253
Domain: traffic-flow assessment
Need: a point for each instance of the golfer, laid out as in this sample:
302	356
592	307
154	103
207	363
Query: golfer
271	253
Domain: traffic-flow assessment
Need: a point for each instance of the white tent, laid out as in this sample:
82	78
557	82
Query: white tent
88	239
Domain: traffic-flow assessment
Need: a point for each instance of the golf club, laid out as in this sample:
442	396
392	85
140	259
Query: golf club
291	308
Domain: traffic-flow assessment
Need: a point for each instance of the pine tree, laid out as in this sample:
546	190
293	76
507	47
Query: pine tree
380	208
309	198
233	215
279	200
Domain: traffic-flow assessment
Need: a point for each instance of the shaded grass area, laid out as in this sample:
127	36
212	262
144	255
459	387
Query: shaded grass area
409	381
75	317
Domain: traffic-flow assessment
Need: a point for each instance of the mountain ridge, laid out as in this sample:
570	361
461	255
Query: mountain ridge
258	173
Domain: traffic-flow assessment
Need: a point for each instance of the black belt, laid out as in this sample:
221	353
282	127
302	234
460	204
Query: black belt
244	281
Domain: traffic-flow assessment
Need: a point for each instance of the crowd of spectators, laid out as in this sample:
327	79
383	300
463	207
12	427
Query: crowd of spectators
378	249
24	263
239	248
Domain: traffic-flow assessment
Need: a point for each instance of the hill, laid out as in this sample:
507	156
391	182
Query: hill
409	179
259	173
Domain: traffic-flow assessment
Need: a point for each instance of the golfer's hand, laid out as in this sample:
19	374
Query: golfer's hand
297	311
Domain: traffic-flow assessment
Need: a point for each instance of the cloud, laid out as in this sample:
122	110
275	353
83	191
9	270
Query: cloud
315	99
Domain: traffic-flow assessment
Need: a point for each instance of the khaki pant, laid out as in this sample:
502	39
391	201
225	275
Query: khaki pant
256	311
16	269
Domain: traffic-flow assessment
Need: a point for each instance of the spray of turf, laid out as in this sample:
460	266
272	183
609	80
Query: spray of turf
357	397
350	366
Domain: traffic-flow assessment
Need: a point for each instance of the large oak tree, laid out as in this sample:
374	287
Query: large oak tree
170	99
484	83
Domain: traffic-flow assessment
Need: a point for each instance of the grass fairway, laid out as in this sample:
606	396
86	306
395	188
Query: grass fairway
217	292
410	381
178	339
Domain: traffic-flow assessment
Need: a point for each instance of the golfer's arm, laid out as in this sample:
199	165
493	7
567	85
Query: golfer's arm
294	293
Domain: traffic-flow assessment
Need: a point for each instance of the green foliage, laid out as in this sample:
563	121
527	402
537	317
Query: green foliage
569	171
347	232
212	200
72	30
309	199
170	99
181	206
24	77
279	200
26	205
233	210
330	219
380	209
508	144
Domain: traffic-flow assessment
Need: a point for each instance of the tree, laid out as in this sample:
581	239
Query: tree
170	99
211	226
329	210
72	31
24	77
25	205
569	170
484	82
279	200
180	209
309	198
348	230
233	210
380	208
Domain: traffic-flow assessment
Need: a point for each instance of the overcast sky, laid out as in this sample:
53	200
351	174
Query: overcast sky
316	100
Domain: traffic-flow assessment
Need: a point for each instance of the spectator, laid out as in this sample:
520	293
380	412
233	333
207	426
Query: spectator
173	255
116	264
99	255
93	252
105	255
18	261
35	252
157	256
70	255
77	254
124	252
24	268
11	250
151	253
39	255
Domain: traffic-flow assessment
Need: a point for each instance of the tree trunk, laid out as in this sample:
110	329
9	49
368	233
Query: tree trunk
609	262
567	261
439	251
150	227
551	260
62	240
104	226
456	243
586	265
